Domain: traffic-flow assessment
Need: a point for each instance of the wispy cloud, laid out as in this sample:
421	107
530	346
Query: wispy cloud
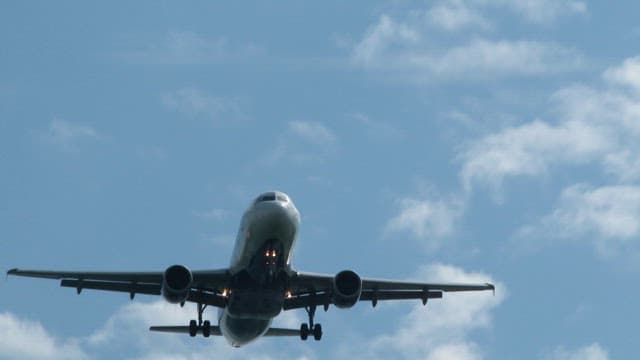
378	130
406	47
456	15
190	48
429	220
530	149
313	132
196	103
304	142
607	215
590	352
543	11
212	214
594	126
67	135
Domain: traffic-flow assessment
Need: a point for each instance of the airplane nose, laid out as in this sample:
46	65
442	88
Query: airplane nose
271	218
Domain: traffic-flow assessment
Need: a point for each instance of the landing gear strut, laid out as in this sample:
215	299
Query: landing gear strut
311	328
205	326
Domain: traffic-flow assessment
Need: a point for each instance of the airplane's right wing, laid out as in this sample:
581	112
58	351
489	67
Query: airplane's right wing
309	289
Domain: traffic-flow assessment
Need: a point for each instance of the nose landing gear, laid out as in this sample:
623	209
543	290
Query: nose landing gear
311	328
271	261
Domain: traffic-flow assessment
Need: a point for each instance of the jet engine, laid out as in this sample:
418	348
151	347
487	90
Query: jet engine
347	287
176	284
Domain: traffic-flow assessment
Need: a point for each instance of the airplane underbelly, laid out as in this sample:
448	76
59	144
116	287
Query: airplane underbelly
241	331
255	304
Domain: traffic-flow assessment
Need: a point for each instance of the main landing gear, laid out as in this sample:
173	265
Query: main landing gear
205	326
311	328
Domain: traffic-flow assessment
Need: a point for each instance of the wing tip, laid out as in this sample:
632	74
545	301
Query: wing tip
12	271
491	287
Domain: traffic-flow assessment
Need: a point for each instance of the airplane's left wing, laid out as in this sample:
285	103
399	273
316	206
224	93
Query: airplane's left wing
308	289
206	287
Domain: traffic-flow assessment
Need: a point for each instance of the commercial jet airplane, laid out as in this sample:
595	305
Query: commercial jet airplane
258	284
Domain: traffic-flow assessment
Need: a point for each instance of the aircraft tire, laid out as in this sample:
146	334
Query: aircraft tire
317	332
304	331
206	328
193	328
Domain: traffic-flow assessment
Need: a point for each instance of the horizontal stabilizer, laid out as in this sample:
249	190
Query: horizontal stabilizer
282	332
215	330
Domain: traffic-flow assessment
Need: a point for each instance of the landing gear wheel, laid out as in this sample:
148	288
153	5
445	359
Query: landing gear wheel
304	331
193	328
317	332
206	328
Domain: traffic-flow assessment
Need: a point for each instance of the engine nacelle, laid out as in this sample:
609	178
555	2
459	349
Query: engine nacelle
347	287
176	284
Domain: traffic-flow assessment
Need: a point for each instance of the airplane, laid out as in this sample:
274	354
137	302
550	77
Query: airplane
258	285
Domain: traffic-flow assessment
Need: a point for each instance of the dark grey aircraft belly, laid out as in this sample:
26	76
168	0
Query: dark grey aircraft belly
240	331
255	304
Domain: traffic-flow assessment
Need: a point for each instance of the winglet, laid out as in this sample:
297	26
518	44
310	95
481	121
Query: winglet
10	272
493	288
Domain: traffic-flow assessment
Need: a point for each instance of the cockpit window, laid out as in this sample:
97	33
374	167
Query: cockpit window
266	197
272	196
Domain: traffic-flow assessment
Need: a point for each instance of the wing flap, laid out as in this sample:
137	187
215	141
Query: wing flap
399	295
128	287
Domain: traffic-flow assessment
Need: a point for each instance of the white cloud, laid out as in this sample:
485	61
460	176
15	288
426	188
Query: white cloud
303	143
189	48
488	58
455	15
25	339
611	214
458	351
313	132
409	47
442	329
405	49
595	126
199	104
379	38
543	11
378	130
428	220
627	74
530	149
212	214
589	352
67	135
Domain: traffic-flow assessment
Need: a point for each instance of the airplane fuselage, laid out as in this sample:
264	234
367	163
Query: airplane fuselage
260	266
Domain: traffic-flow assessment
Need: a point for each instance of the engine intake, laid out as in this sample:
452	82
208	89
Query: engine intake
176	284
347	287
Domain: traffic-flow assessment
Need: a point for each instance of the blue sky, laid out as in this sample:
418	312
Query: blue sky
453	140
